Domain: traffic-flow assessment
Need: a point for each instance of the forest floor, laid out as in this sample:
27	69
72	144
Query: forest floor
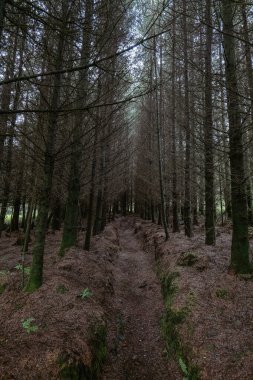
59	331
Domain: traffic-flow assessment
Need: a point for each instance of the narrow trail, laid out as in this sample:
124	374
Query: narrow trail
136	348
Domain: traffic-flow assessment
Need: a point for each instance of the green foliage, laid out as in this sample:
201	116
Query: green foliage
187	259
2	288
183	367
86	293
27	270
3	272
170	320
99	348
3	280
191	300
168	285
73	368
222	293
29	326
61	289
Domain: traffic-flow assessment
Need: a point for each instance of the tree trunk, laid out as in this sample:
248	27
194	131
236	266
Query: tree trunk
173	122
209	165
91	195
159	145
8	167
240	240
70	231
36	276
187	185
2	17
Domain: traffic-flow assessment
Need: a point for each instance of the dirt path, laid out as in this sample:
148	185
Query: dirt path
136	348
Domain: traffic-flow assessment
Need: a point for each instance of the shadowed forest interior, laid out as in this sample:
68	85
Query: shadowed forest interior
126	160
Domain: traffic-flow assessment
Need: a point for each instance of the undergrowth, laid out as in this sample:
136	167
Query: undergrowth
73	368
170	320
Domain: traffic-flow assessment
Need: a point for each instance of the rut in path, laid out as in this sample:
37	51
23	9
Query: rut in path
136	348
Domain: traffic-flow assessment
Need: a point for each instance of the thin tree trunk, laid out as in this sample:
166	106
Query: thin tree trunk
173	122
159	144
187	185
2	17
209	165
91	195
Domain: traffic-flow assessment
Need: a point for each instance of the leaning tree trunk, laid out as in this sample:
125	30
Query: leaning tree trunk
209	165
240	240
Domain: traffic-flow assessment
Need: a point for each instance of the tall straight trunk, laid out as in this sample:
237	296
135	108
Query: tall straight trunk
71	220
173	122
2	17
187	184
240	239
97	221
56	214
249	69
220	191
6	97
209	165
36	276
8	167
225	158
91	195
159	144
16	211
23	203
28	227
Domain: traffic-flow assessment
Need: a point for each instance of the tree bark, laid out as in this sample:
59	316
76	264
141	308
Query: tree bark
240	239
71	220
187	184
173	136
36	275
209	165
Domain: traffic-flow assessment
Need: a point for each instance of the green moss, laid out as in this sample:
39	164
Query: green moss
73	368
187	259
170	320
222	293
61	289
2	288
99	349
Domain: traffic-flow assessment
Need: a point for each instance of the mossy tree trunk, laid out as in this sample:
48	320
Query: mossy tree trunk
240	240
